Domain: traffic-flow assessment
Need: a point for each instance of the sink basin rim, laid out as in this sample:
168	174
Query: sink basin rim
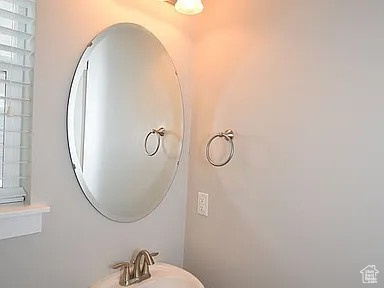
163	275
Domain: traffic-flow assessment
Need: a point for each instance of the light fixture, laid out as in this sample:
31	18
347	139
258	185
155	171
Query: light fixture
189	7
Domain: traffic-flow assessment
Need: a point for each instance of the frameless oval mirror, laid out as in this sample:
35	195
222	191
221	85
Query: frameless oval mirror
125	122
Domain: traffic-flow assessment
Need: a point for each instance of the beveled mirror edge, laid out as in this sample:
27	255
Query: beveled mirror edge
75	163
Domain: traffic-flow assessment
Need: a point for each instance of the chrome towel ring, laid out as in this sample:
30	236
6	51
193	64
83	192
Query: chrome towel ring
228	135
159	133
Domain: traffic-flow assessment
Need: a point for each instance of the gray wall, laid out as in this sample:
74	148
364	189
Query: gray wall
77	244
300	204
301	84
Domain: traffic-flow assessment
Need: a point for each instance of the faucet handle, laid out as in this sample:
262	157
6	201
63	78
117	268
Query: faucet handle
124	265
151	255
154	254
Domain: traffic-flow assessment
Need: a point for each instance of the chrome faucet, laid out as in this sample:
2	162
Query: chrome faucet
135	270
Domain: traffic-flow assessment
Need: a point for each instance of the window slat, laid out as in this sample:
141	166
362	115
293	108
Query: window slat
15	33
16	17
15	147
10	200
13	178
16	163
17	131
9	65
14	83
23	3
15	99
8	195
15	115
20	51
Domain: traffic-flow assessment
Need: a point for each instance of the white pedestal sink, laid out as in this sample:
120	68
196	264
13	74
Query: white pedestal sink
163	276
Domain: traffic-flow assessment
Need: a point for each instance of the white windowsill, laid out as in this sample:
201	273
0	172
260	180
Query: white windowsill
20	220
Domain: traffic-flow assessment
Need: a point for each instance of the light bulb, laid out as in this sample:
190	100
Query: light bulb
189	7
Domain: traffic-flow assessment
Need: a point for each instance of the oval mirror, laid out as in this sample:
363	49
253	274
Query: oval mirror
125	122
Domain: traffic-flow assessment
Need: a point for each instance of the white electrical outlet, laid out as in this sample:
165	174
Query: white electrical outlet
202	204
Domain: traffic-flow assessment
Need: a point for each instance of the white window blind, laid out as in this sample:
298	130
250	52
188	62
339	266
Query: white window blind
17	20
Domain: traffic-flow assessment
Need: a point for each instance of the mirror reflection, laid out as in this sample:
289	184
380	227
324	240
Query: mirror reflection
125	122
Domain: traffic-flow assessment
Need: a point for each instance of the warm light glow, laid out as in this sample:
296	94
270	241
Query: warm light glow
189	7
